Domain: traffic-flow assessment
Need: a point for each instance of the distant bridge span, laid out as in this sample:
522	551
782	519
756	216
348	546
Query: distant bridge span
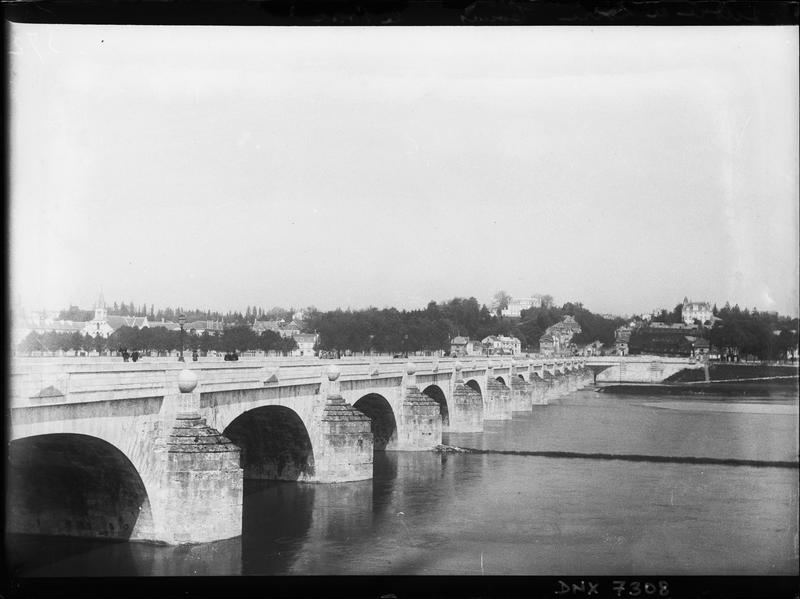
636	369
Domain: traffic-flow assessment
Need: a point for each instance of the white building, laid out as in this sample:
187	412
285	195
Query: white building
500	344
692	311
305	344
518	304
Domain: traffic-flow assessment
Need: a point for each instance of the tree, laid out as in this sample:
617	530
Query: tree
31	343
76	342
501	299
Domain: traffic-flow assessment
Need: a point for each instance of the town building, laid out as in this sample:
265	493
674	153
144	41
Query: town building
305	344
557	338
595	348
500	344
281	327
259	326
290	330
547	345
622	337
464	346
700	347
164	324
691	311
103	325
201	326
518	304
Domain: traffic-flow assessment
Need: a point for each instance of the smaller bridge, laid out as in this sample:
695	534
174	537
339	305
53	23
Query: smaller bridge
637	369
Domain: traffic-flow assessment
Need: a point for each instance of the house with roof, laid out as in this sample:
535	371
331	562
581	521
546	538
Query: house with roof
201	326
259	326
464	346
517	304
691	311
290	330
305	344
501	344
103	325
622	337
547	345
700	347
557	338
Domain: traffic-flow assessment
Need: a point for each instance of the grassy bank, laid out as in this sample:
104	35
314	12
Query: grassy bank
776	389
727	372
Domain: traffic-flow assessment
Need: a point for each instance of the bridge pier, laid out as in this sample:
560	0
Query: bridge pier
572	379
467	413
343	448
419	423
539	389
521	394
195	482
196	497
498	400
551	391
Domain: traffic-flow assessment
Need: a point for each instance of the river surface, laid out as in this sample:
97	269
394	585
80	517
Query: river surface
490	513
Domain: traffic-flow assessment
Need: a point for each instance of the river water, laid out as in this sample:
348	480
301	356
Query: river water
491	513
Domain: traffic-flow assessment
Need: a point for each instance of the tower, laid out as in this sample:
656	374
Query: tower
100	312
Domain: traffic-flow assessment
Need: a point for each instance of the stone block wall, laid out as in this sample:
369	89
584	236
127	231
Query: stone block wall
467	413
521	395
419	425
344	449
498	401
197	497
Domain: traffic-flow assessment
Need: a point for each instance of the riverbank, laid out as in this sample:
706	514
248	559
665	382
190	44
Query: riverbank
727	372
775	387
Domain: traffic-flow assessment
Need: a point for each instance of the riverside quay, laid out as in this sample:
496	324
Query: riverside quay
159	451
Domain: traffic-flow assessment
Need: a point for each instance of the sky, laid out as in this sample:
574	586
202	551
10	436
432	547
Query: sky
222	167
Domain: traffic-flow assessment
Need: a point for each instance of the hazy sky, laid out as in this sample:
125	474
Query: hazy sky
223	167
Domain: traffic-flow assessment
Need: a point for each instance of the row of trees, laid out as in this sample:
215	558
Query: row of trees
763	335
252	313
159	340
391	330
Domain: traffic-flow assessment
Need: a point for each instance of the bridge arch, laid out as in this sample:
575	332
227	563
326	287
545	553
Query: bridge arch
475	386
500	380
275	444
75	485
384	423
436	394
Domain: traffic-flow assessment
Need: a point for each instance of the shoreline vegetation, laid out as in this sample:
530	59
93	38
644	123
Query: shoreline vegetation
724	379
625	457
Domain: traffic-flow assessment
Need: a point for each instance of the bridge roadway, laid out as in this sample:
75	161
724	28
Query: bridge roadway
159	451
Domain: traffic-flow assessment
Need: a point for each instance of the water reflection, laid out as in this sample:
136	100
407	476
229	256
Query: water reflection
39	555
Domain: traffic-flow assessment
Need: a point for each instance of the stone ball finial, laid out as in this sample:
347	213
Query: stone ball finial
411	368
333	372
459	366
187	381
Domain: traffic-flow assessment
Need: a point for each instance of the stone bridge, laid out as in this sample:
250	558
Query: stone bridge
637	369
159	451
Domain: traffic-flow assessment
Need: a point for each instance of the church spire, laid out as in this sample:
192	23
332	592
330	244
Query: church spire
100	312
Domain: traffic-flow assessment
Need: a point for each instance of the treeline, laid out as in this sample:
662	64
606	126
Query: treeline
535	321
390	330
160	341
762	335
252	313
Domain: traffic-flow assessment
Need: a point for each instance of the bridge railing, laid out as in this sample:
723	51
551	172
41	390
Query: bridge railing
75	381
